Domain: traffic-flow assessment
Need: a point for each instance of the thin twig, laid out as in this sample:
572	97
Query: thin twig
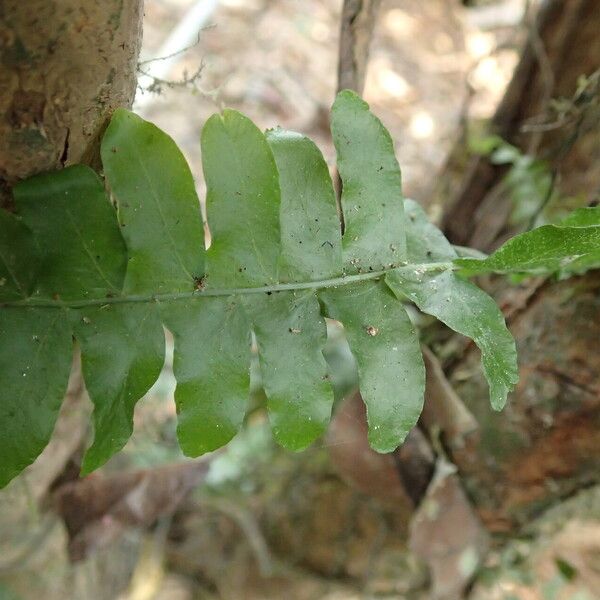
177	53
251	528
546	72
358	21
186	81
547	197
179	41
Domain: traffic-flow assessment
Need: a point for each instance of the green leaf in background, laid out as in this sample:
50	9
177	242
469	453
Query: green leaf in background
77	231
159	210
19	258
564	247
583	217
35	360
387	351
459	304
211	365
528	180
242	203
291	335
122	354
372	191
311	244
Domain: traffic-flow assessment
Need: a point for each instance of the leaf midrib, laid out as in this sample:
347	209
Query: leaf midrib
199	294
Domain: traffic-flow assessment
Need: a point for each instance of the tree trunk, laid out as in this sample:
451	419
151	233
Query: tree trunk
66	65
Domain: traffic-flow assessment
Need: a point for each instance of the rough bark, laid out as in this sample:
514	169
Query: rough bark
65	66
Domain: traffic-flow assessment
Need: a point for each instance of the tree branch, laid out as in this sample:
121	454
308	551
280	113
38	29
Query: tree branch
358	21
